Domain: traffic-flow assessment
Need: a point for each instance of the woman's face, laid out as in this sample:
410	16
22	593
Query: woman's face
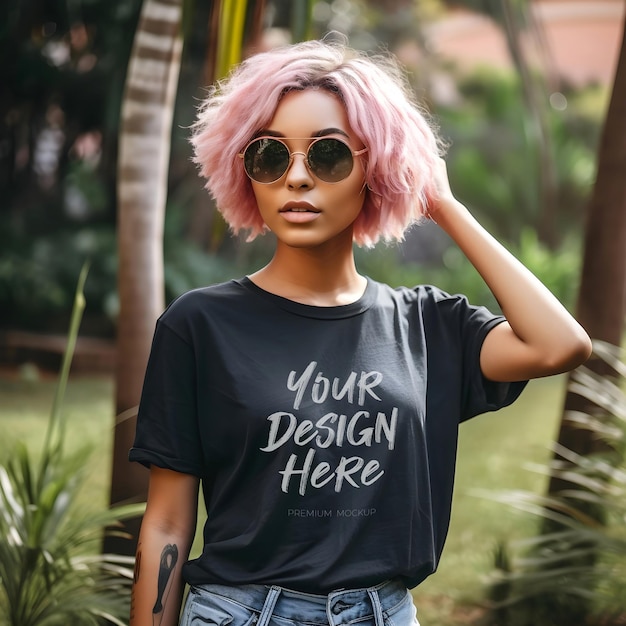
299	208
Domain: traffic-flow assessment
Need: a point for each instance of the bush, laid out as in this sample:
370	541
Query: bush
579	569
494	163
558	270
51	571
37	278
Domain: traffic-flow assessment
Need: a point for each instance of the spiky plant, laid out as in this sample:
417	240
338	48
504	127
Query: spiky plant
51	569
583	560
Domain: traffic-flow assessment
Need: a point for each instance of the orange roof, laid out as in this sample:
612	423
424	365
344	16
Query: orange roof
581	39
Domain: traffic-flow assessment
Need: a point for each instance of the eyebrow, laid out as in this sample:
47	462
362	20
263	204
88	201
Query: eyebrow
320	133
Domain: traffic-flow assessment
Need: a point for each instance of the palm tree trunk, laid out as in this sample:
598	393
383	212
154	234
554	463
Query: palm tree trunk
143	163
601	305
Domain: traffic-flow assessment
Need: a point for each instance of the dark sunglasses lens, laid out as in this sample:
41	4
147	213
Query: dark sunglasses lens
266	160
330	160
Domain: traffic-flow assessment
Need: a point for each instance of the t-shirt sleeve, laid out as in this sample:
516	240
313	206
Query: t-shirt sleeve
483	395
469	325
167	426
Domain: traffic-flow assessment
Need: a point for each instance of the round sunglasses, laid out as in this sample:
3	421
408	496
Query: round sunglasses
266	159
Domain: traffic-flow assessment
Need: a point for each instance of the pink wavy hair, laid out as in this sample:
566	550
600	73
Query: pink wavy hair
402	146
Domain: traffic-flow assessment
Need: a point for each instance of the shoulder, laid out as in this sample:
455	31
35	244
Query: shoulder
422	296
204	308
203	300
434	306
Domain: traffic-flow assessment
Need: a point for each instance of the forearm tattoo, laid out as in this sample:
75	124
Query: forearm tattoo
135	579
169	557
137	566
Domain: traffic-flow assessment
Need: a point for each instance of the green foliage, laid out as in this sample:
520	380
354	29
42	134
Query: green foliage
84	193
51	573
558	270
37	276
493	156
558	576
187	266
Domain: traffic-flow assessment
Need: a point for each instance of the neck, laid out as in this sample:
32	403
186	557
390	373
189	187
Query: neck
319	277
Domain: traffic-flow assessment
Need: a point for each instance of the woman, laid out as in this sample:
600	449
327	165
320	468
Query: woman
318	408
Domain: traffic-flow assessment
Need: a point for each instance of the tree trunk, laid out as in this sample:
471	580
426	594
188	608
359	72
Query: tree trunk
601	305
143	163
601	310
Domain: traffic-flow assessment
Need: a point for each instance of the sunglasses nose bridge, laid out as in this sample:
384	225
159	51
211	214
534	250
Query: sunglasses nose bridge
305	160
304	155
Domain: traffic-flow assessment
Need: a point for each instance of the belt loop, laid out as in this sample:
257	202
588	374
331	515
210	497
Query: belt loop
268	606
379	620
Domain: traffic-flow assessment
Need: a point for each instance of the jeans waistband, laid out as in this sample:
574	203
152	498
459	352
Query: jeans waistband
338	607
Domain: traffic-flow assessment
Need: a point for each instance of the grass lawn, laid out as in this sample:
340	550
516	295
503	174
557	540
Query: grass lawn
24	411
494	449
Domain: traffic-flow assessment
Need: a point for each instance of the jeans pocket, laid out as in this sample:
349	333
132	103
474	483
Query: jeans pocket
403	614
203	608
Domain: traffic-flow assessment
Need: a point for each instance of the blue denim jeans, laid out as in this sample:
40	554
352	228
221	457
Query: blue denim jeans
389	604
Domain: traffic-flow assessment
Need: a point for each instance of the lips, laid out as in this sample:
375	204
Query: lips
298	212
298	207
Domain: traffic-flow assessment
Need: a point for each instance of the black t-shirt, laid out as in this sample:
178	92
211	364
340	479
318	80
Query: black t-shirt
325	437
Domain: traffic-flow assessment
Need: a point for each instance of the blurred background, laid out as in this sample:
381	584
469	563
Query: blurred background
520	97
96	100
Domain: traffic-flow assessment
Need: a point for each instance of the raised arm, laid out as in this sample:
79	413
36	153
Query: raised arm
540	337
166	535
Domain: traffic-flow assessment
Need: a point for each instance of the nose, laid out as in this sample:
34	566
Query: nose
298	174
